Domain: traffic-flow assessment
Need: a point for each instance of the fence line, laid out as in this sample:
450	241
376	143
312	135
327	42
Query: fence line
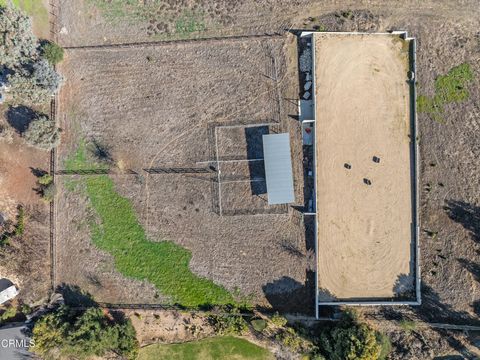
143	44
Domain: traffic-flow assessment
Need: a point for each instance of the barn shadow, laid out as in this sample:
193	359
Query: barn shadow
291	296
254	140
20	117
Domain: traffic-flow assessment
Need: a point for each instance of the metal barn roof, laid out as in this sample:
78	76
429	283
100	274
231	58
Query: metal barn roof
8	294
278	168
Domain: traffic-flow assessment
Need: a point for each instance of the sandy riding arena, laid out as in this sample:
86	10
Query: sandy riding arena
364	186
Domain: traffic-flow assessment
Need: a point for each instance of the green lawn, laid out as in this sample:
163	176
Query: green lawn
164	263
37	11
218	348
449	88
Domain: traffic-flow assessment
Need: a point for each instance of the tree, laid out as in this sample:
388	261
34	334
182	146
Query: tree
79	334
50	331
52	52
350	340
31	79
45	76
18	45
35	85
42	133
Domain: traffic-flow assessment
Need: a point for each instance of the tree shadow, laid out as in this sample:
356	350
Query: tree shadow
289	295
466	214
75	297
291	249
433	310
471	267
20	117
404	287
37	172
101	152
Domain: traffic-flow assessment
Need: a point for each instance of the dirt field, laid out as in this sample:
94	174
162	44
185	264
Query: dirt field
25	261
148	111
362	111
447	34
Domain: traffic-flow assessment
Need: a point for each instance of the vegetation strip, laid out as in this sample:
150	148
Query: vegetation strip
164	264
227	347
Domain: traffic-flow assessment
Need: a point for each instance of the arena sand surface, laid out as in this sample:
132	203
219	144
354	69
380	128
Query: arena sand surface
362	111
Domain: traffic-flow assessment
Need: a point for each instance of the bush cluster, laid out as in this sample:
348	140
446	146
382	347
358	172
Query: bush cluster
11	229
351	339
229	321
290	339
278	320
80	334
52	52
47	188
42	132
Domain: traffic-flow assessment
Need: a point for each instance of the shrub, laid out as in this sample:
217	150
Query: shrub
8	314
350	340
17	44
20	227
25	309
45	179
290	339
10	229
278	320
48	193
42	133
84	334
259	324
52	52
230	322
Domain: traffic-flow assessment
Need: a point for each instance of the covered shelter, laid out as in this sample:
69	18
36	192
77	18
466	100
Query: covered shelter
278	168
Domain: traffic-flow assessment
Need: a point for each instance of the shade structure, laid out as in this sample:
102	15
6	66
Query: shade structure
278	168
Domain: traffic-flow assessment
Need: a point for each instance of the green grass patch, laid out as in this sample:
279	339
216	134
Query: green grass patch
130	10
164	264
449	88
186	22
385	344
218	348
408	325
189	23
